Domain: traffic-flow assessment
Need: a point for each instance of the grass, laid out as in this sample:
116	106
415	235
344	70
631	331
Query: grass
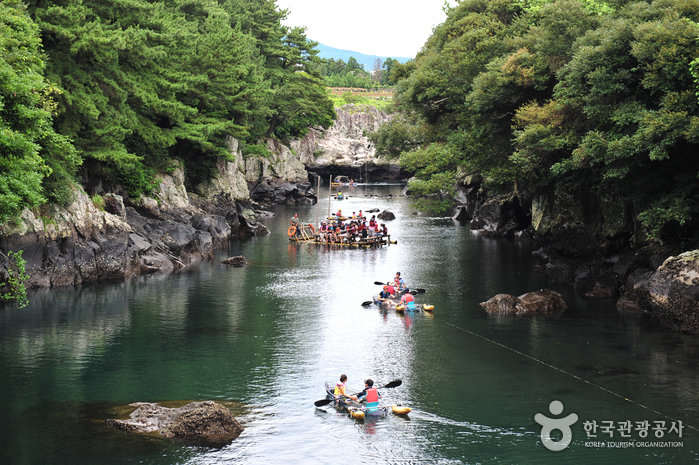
380	100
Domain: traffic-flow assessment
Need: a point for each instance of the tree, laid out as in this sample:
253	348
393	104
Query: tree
353	65
387	67
32	155
16	278
298	99
145	81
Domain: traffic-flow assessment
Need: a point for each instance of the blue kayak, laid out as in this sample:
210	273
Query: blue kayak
356	409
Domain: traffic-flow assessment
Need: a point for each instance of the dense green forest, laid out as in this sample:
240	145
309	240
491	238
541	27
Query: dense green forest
123	87
337	73
538	95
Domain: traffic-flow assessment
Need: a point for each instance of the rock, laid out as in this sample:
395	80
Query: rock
114	204
671	293
461	214
544	301
344	148
232	179
81	244
500	216
235	261
386	215
628	306
581	222
503	303
139	243
600	292
198	423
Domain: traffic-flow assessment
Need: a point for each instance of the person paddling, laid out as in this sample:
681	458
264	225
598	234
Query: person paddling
384	294
399	283
370	395
408	300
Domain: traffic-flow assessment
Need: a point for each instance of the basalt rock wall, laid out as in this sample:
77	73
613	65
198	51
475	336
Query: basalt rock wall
586	240
158	234
345	149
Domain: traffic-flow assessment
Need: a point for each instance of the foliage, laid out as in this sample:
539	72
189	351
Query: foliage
36	163
297	99
339	101
580	93
337	73
98	202
139	83
397	136
17	276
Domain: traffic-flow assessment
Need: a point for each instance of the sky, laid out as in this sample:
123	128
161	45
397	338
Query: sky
392	28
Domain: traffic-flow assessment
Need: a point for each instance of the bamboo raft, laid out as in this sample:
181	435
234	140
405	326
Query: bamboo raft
309	236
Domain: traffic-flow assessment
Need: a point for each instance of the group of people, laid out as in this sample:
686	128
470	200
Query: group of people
350	230
342	229
369	396
396	289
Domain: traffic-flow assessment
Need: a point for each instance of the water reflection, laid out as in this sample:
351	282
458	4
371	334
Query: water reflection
268	335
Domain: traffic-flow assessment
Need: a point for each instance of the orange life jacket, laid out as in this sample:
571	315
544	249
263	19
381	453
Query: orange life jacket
372	395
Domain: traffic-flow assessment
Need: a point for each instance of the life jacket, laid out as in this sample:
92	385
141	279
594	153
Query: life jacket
372	399
338	391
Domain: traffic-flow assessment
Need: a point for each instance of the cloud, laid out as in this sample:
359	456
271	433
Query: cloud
374	27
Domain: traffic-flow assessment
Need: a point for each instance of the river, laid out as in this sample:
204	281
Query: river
265	337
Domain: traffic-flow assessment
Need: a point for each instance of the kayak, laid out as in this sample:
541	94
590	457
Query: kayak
356	409
386	302
397	304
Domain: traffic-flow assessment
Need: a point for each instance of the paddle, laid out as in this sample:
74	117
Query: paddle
412	291
392	384
366	303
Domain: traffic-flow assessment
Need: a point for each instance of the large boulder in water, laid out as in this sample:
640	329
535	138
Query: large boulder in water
671	293
235	261
544	301
386	215
198	423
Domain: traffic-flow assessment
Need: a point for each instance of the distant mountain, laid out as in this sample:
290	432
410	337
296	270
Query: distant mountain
366	60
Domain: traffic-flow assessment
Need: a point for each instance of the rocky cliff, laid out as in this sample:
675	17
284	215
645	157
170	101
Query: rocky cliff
345	149
157	234
594	243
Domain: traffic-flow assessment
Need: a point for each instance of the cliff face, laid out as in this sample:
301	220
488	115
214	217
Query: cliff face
345	149
287	176
586	241
158	234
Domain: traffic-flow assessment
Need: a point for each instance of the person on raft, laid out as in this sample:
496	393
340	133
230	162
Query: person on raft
294	221
370	395
340	388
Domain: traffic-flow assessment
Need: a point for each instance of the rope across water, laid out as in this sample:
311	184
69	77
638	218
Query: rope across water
570	374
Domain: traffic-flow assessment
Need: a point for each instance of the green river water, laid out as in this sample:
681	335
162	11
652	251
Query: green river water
264	338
